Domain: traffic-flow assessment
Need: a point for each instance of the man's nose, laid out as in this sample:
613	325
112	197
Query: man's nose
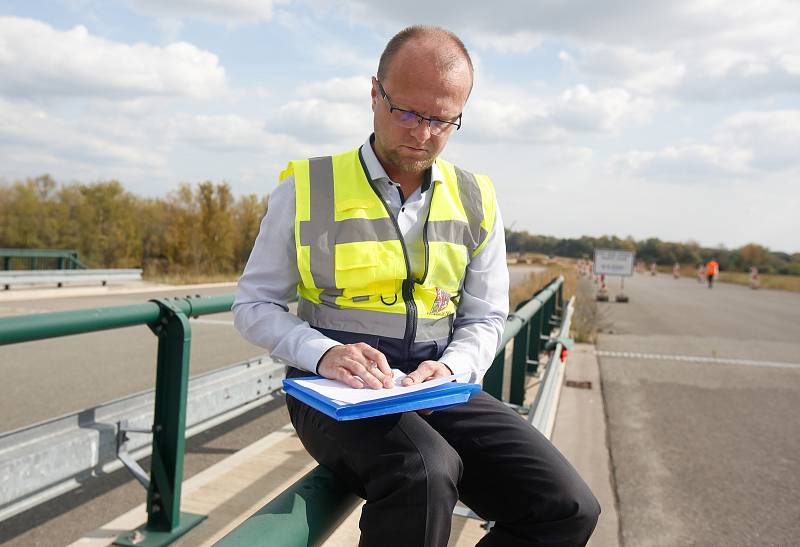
422	132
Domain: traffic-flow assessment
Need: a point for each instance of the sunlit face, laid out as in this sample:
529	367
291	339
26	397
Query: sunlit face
416	85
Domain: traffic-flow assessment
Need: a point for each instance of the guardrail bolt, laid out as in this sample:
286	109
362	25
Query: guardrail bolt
136	537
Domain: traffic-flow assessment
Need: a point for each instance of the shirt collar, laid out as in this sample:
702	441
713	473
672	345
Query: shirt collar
376	172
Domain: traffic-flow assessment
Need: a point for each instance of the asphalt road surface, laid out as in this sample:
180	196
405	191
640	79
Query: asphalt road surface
702	395
48	378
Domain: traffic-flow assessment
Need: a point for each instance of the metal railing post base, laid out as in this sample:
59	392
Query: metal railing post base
142	537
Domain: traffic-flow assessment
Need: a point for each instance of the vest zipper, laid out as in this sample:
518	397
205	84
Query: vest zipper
408	282
425	272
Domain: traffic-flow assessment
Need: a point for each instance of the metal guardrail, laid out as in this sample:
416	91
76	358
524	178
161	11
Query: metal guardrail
545	405
36	259
43	461
168	319
315	504
60	277
307	512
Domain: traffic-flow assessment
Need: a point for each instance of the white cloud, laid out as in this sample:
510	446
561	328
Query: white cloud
704	50
606	110
220	133
38	60
327	111
351	90
513	115
638	70
773	137
228	11
746	146
689	163
320	121
514	42
31	127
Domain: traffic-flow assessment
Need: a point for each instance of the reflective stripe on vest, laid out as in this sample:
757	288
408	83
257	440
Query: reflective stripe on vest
353	265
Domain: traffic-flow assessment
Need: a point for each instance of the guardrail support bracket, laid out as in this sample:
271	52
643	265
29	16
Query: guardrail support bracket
127	460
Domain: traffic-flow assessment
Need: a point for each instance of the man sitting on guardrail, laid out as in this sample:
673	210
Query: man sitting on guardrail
398	258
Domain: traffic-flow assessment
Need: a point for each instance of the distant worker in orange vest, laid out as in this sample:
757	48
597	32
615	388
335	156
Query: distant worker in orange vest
712	270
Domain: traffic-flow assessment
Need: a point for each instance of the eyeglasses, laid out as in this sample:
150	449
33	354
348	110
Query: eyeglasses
410	119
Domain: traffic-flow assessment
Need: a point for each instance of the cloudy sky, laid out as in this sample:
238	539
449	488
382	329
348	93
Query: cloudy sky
678	120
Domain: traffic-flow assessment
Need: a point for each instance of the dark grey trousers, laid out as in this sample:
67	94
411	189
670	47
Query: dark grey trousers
412	469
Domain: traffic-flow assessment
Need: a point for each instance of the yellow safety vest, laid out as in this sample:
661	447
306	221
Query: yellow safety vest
355	274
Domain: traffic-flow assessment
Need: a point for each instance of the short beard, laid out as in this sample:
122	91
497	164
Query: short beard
409	166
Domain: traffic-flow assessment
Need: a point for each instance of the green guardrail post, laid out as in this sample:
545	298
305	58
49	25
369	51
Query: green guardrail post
519	361
552	318
560	301
535	341
165	521
7	263
493	379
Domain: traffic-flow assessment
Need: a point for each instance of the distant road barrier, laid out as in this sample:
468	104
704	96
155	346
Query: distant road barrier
60	277
40	259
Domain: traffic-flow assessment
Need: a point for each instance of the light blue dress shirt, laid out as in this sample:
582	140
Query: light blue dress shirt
270	279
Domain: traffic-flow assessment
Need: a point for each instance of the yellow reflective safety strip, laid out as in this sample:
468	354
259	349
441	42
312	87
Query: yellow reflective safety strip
489	201
302	204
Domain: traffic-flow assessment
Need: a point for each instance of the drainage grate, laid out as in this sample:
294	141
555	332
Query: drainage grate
579	384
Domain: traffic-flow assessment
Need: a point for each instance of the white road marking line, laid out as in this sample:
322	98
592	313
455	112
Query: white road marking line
695	359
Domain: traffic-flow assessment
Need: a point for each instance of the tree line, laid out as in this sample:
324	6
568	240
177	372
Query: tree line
665	253
203	228
199	228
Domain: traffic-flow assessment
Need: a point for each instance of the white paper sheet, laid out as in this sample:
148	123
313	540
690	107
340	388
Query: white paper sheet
343	393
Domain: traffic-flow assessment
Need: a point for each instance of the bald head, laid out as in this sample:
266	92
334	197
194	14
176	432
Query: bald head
435	46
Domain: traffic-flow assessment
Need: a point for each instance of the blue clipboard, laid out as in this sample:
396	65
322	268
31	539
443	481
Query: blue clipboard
436	397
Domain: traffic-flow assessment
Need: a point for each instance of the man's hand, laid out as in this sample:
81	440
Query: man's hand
357	365
427	370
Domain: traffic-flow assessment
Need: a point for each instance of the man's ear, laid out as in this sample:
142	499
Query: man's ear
374	93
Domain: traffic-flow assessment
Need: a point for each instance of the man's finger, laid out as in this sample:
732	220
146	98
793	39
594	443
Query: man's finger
372	376
416	377
377	358
425	371
344	376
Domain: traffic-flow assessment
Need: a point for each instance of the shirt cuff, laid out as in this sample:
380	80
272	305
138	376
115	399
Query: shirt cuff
459	364
312	351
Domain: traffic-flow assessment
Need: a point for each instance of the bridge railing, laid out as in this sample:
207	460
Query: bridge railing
325	500
307	512
40	259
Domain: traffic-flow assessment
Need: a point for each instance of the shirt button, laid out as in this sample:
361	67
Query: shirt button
402	209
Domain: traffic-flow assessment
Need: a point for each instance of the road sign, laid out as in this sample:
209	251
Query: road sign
613	262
